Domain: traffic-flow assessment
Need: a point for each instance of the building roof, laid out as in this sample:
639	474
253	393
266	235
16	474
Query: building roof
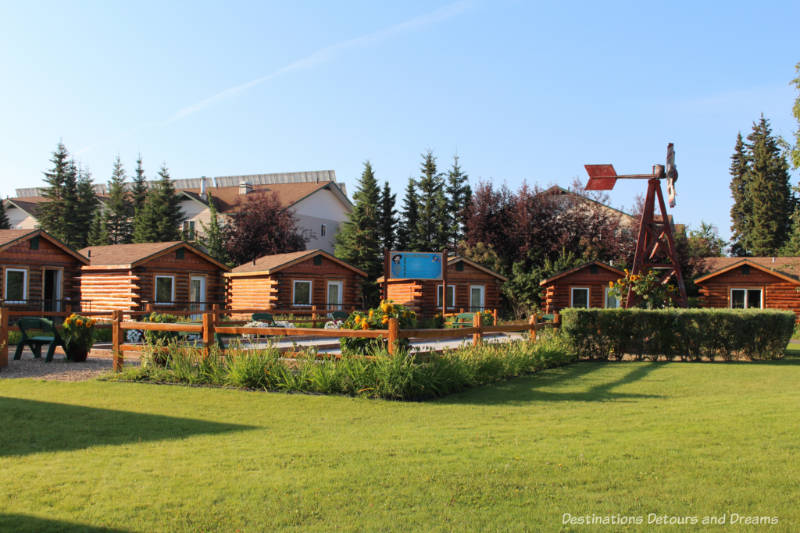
229	199
270	264
557	190
787	268
576	269
10	237
458	259
132	255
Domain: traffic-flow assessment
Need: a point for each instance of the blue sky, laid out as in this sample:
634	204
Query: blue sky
520	91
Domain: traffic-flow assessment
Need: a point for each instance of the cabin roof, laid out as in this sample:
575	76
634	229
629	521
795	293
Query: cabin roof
10	237
787	268
270	264
133	255
458	259
581	267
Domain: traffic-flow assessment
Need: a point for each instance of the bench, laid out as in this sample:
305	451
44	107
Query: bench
340	315
463	320
50	336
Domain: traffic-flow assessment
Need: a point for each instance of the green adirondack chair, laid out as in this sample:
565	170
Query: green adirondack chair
49	336
267	318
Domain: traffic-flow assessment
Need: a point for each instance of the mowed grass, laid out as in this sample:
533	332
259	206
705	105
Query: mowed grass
606	438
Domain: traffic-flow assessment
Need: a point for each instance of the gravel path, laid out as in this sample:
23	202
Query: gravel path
59	369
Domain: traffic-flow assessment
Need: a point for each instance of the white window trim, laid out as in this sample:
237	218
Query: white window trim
572	296
340	283
483	297
310	292
24	285
439	298
605	299
730	296
155	289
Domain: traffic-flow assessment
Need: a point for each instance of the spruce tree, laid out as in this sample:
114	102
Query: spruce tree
86	205
742	208
51	211
406	233
98	234
138	187
4	222
432	224
358	242
212	237
118	208
387	217
769	190
160	218
796	112
459	195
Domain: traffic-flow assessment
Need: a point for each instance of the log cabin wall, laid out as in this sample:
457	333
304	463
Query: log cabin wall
35	259
109	290
420	295
275	291
777	293
558	292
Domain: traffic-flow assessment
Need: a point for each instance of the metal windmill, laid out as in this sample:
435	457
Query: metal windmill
655	234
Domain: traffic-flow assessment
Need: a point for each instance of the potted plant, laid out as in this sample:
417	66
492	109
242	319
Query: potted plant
78	337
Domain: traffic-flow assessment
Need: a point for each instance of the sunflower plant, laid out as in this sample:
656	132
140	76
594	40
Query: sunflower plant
78	332
376	318
652	293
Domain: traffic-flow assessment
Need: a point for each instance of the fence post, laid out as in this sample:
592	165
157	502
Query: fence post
494	316
556	320
215	314
313	316
3	337
477	338
116	339
148	308
393	335
208	333
532	323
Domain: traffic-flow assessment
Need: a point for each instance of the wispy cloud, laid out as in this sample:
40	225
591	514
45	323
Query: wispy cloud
316	58
326	54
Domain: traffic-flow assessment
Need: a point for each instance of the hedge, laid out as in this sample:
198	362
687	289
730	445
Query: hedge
690	334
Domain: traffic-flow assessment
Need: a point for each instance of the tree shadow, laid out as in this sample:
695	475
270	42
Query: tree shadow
35	524
31	426
528	389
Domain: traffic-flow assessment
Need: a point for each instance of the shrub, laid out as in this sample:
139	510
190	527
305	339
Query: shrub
687	333
160	337
376	318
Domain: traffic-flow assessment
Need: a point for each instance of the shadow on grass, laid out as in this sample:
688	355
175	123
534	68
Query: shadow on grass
24	523
528	389
31	426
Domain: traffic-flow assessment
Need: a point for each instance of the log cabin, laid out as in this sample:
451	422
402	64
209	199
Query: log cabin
584	286
39	272
296	280
470	287
751	283
169	275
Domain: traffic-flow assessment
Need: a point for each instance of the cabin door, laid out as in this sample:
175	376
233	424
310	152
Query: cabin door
51	289
197	295
335	294
476	297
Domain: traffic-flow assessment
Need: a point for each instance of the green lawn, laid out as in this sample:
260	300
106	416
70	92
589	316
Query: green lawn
605	438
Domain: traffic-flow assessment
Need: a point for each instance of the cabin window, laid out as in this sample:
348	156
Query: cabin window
612	302
579	297
593	269
477	298
301	292
16	286
451	296
323	230
460	266
746	299
180	253
165	290
35	243
317	260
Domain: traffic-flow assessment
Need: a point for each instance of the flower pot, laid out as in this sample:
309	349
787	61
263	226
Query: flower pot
77	354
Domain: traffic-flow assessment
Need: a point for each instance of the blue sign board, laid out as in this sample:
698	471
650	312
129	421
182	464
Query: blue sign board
415	265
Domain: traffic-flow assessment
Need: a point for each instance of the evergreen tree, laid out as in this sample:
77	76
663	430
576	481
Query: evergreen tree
769	190
87	204
459	195
387	217
138	187
432	224
358	242
742	203
98	233
160	218
4	223
51	212
796	112
406	233
118	208
212	237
